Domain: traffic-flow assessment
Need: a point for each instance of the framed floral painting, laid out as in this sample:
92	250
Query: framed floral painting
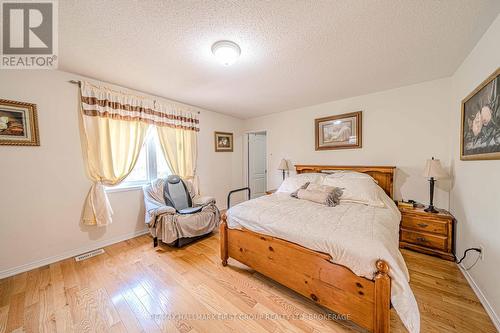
480	124
18	124
223	141
338	132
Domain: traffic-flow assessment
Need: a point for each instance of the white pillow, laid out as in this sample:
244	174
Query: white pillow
357	190
349	174
292	183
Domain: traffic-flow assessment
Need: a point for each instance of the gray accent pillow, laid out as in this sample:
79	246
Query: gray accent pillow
303	187
323	194
333	198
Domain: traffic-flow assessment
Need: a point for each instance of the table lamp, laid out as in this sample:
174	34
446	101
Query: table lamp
433	170
283	167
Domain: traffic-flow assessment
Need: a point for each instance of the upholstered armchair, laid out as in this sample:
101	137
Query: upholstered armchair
174	215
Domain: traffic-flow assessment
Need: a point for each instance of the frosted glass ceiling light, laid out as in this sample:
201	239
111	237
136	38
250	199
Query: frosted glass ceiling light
226	52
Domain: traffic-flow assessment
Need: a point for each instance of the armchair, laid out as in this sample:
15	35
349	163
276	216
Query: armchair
174	215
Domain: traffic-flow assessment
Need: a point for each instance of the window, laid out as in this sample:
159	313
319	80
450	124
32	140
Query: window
151	164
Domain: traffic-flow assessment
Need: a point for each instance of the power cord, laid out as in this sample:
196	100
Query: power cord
465	254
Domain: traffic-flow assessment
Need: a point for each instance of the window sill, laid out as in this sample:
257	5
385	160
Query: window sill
124	188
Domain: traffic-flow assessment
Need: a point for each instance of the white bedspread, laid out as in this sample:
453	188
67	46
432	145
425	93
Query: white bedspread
355	236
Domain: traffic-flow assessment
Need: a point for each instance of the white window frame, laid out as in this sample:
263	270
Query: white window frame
151	167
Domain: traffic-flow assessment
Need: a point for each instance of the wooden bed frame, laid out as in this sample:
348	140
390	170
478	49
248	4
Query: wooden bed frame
311	273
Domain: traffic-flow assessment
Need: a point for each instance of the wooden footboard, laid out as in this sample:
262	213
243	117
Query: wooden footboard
312	274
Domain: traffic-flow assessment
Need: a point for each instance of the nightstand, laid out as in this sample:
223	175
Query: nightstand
270	191
430	233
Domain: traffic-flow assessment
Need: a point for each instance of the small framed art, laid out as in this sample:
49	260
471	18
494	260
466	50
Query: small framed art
18	124
223	141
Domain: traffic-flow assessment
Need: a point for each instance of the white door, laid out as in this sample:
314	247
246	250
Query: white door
257	164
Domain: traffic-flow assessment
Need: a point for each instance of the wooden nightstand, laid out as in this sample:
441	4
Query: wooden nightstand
430	233
270	191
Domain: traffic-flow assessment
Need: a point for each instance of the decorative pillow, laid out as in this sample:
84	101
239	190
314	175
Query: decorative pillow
303	187
323	194
292	183
357	190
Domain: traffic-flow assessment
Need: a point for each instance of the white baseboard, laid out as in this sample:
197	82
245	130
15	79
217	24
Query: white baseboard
482	298
69	254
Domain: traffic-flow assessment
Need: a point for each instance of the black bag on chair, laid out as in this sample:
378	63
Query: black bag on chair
176	195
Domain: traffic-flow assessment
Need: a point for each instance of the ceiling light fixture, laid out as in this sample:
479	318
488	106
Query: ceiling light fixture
226	52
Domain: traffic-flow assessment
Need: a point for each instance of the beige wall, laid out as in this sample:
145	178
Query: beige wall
475	196
42	188
401	127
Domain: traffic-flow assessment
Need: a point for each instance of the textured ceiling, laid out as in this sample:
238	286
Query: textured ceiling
294	53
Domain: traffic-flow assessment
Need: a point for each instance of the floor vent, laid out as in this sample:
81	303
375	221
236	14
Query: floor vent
89	254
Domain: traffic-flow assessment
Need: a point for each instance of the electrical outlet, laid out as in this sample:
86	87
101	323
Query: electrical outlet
481	255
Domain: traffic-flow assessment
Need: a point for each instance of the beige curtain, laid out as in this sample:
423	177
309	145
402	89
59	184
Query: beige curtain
113	131
179	142
114	125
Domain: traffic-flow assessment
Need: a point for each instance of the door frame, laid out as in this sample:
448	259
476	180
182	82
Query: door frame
246	159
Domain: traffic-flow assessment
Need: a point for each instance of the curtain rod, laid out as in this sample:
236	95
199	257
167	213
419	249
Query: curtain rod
79	83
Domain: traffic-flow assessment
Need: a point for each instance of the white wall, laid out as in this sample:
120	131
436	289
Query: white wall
42	188
401	127
475	196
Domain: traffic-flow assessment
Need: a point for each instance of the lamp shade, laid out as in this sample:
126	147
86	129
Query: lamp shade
434	169
283	165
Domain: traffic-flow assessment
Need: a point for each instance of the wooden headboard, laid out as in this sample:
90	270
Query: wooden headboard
384	175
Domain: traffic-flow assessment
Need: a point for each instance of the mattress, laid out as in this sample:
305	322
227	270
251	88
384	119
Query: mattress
354	235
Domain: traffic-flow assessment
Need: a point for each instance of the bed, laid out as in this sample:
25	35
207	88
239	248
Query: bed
344	258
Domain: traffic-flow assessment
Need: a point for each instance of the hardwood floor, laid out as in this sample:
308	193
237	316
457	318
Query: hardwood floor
135	288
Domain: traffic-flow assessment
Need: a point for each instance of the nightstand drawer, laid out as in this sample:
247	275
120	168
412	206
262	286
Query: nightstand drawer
424	224
425	239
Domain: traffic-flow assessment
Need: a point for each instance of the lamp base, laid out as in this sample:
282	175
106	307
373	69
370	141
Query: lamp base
431	209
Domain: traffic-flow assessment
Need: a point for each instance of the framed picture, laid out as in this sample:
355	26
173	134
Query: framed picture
338	132
18	124
480	124
223	141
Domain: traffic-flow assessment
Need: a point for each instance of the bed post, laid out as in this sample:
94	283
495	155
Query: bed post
223	240
382	315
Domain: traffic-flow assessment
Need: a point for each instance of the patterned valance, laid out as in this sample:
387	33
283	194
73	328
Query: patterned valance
104	102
